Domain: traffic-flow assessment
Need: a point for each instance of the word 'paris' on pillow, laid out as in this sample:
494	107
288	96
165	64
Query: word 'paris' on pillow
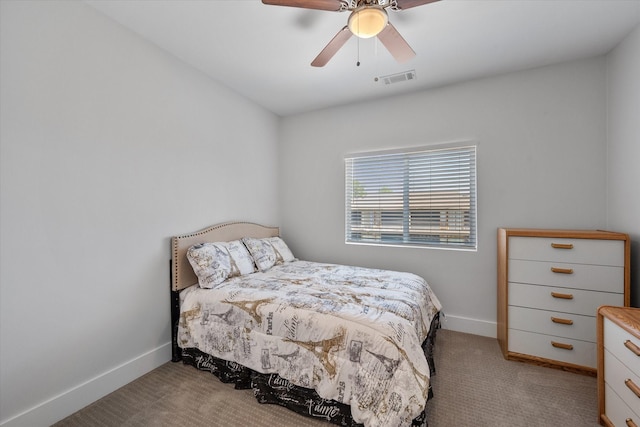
268	252
213	263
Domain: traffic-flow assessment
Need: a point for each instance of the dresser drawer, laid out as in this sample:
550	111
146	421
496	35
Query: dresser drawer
578	276
583	251
583	353
622	381
542	297
614	341
617	411
564	325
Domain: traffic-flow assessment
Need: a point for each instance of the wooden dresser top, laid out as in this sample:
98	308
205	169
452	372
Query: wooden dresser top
575	234
628	318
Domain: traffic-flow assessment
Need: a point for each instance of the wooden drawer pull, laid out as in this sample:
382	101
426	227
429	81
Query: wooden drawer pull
631	346
562	245
630	423
561	296
562	270
562	345
562	321
632	386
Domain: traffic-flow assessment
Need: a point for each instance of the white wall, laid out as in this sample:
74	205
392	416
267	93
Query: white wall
623	151
108	147
541	163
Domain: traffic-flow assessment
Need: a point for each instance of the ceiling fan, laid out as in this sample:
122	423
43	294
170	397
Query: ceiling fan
368	19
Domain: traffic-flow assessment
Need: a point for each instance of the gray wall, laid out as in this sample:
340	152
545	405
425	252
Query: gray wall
541	163
623	151
108	147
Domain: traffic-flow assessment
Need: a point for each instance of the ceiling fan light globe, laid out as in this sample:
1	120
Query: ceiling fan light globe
368	22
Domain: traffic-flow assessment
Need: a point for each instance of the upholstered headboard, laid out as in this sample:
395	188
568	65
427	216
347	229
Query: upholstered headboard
182	275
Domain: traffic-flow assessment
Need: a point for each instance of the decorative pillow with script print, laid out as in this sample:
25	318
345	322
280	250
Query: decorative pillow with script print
211	262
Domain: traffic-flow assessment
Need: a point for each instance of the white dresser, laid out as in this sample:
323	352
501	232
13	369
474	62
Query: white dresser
619	366
550	285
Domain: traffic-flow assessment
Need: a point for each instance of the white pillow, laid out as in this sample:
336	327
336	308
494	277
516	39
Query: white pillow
262	252
268	252
281	248
241	257
211	262
214	263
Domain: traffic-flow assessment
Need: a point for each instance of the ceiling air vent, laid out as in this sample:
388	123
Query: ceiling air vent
397	78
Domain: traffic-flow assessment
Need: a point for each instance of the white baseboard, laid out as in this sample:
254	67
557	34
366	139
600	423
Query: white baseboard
469	326
70	401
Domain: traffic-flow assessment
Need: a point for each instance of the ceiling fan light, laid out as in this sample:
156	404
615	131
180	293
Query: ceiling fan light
368	21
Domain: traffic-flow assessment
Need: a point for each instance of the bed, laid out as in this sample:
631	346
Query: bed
348	345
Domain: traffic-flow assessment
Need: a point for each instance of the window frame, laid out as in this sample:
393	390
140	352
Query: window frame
405	236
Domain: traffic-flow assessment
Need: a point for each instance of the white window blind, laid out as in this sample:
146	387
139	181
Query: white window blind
417	197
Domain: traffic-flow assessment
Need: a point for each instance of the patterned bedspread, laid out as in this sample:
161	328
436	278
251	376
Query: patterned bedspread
352	334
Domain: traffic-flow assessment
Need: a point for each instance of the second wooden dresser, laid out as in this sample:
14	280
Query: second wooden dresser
550	285
619	366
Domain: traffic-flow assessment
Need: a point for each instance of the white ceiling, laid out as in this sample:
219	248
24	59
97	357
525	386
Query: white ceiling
263	52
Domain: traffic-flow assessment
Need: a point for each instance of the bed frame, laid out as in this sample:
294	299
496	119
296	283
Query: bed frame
182	275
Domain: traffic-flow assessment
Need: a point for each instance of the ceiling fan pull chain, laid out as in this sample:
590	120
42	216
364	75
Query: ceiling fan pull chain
358	46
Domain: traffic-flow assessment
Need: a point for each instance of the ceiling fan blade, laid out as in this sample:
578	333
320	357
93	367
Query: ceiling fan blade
408	4
330	49
331	5
395	44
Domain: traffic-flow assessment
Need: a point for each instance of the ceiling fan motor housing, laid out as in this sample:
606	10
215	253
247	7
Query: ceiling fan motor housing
368	21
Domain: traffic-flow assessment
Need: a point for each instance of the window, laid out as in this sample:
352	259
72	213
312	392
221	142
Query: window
419	197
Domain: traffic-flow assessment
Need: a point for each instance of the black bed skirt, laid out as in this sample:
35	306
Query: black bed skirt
271	388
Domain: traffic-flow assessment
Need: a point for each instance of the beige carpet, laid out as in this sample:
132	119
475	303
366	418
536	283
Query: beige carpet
474	386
